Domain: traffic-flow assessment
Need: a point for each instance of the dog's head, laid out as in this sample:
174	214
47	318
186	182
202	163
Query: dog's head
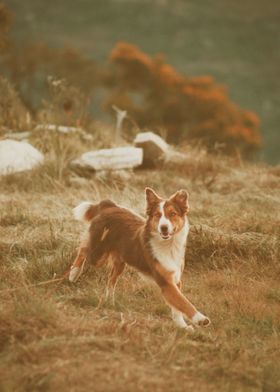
166	217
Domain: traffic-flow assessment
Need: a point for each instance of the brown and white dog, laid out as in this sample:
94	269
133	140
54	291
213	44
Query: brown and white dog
155	246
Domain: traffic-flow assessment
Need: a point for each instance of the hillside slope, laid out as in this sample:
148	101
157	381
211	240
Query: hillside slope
65	337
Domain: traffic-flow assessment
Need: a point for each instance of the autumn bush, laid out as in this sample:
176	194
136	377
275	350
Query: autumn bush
66	104
30	67
156	95
13	114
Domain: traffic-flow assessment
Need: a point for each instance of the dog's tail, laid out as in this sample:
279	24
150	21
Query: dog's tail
86	210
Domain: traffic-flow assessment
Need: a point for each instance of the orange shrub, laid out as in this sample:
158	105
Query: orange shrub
156	95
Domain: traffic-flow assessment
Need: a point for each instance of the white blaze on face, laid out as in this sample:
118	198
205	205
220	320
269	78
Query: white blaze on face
164	221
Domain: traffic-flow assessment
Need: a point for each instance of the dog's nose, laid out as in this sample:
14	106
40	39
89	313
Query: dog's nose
164	229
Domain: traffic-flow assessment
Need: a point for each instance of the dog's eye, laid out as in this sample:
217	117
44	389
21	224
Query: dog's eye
173	213
158	215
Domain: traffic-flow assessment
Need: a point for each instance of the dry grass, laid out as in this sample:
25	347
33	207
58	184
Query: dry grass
57	338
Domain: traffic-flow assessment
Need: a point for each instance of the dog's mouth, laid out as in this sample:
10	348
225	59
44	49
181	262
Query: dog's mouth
165	236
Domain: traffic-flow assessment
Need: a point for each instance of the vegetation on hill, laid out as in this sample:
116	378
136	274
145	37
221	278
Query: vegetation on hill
5	22
155	95
153	92
235	42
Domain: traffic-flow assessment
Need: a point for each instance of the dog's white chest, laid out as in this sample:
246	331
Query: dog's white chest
170	254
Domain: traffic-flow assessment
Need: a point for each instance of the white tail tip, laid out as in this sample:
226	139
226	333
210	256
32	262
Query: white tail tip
80	211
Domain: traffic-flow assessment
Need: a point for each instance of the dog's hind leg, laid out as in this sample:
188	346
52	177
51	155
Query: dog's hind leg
77	267
116	271
91	251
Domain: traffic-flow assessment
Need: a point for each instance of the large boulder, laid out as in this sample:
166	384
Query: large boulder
110	159
18	156
155	148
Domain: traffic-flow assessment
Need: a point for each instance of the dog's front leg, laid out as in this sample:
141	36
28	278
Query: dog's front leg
178	317
180	303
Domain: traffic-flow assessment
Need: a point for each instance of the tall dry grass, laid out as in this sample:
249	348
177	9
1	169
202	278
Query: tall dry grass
63	337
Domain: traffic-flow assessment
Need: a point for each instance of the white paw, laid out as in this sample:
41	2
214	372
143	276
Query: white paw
180	322
189	328
201	320
74	274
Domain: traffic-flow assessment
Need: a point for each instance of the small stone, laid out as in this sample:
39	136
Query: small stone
65	130
58	128
17	135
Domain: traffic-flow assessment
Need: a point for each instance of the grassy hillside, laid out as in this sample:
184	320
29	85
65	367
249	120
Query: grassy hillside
237	42
63	336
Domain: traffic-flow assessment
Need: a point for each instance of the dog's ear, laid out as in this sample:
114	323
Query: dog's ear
181	198
151	198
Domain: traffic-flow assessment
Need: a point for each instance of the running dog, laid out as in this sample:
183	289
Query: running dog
154	246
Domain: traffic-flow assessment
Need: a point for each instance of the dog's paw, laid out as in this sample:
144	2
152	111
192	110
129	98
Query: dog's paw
201	320
74	274
189	328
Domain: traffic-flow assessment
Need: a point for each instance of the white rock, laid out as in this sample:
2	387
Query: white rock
58	128
17	135
18	156
65	130
110	159
154	147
